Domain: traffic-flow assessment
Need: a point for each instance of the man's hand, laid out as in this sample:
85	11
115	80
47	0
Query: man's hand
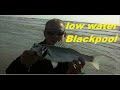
75	66
28	57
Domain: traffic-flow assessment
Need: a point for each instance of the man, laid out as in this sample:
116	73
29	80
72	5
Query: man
31	63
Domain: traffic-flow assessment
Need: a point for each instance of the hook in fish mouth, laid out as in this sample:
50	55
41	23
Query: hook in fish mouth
44	51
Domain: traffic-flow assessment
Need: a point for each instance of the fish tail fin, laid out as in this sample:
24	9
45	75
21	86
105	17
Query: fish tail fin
95	63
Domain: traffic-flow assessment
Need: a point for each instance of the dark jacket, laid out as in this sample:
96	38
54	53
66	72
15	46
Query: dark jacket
40	67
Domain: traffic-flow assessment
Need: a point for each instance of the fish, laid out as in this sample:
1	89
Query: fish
60	53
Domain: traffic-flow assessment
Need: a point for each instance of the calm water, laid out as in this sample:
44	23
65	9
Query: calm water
18	34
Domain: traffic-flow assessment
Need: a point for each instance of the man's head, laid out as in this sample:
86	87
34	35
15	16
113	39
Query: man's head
54	31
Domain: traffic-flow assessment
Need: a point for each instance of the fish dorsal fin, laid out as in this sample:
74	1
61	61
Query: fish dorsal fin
60	44
65	45
74	48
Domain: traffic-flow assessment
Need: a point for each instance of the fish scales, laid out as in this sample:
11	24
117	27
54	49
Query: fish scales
62	54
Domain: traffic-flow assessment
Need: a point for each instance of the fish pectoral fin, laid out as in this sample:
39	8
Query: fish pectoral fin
95	64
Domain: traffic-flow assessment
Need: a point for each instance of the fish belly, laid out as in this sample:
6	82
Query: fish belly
58	55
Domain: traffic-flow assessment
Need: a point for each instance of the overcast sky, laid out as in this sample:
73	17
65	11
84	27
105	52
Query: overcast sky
112	19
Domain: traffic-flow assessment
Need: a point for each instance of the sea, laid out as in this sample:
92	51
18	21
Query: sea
18	34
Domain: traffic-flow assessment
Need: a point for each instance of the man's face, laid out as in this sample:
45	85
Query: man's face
54	32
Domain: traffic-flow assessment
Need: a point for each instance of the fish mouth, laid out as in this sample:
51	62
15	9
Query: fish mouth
44	49
44	52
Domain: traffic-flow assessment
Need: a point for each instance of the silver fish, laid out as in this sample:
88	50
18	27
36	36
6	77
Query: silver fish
62	54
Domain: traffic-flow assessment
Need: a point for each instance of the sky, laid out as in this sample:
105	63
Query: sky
109	19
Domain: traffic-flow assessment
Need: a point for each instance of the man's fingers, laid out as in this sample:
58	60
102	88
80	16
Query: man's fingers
78	63
29	57
81	61
27	52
